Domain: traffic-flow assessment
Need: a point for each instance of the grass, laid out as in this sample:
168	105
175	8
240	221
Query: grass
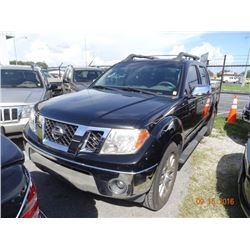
210	186
235	87
215	173
238	130
202	188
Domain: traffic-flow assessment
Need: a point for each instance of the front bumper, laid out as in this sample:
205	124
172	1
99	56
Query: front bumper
246	115
14	129
92	178
244	190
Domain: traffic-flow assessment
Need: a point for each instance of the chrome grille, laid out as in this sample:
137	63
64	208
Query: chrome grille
9	115
94	141
68	132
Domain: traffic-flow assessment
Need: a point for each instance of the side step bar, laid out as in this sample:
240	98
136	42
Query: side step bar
192	145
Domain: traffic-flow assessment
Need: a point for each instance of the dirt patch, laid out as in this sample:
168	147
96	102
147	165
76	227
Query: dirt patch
212	190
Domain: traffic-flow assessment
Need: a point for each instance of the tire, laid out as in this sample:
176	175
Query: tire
210	123
164	179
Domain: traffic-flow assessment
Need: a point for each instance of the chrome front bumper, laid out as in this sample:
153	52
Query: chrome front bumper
91	178
14	127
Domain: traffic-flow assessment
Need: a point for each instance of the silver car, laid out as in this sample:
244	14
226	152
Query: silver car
21	88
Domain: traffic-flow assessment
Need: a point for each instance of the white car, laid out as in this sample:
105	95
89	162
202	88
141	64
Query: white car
231	79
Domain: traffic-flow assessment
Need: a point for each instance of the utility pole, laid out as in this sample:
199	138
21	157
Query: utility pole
85	52
245	74
14	41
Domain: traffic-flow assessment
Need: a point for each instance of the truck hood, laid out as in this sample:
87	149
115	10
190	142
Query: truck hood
82	85
21	95
8	158
103	108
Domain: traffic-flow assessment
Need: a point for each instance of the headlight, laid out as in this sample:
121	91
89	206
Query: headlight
124	141
26	111
32	120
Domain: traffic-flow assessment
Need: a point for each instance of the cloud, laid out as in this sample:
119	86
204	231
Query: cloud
104	48
54	55
111	47
215	55
177	49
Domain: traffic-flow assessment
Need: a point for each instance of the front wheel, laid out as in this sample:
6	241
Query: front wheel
164	179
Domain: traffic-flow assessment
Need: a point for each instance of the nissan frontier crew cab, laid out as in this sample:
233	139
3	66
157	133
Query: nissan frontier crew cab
126	135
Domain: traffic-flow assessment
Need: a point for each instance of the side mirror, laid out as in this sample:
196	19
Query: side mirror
201	90
66	80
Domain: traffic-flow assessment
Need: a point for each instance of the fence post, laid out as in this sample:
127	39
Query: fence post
222	71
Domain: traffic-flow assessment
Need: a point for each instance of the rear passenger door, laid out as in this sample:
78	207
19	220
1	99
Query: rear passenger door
206	99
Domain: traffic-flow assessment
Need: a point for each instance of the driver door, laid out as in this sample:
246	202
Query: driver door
192	105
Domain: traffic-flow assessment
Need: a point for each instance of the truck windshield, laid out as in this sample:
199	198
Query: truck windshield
20	79
157	77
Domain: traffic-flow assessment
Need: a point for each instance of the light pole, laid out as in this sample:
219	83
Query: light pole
14	42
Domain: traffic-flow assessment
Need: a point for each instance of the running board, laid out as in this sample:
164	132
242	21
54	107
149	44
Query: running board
192	145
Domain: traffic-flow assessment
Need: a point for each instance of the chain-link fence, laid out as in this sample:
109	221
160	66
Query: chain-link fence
230	69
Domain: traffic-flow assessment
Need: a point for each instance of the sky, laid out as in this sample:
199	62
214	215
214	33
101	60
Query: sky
79	48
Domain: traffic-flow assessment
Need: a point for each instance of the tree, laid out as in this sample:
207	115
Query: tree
220	73
43	65
248	73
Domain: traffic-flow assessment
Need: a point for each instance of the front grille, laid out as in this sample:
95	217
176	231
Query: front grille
9	114
68	132
94	141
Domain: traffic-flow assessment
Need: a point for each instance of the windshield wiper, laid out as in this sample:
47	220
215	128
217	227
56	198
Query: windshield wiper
137	90
103	87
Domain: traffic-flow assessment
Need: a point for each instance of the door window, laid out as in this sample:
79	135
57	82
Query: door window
204	76
192	79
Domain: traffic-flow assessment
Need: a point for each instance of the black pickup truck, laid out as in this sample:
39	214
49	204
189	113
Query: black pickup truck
126	135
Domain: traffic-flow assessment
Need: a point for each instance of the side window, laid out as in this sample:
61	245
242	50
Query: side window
92	75
204	76
192	78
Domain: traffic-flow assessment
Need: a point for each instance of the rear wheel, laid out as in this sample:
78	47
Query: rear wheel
164	179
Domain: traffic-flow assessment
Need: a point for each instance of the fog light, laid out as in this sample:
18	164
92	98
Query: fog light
117	186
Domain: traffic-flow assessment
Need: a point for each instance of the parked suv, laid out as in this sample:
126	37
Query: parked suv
21	88
125	135
75	79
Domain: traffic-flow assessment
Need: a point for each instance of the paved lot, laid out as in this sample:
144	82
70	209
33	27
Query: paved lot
59	199
226	101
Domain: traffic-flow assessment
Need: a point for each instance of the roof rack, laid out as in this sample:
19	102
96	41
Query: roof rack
180	56
187	56
132	56
163	55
